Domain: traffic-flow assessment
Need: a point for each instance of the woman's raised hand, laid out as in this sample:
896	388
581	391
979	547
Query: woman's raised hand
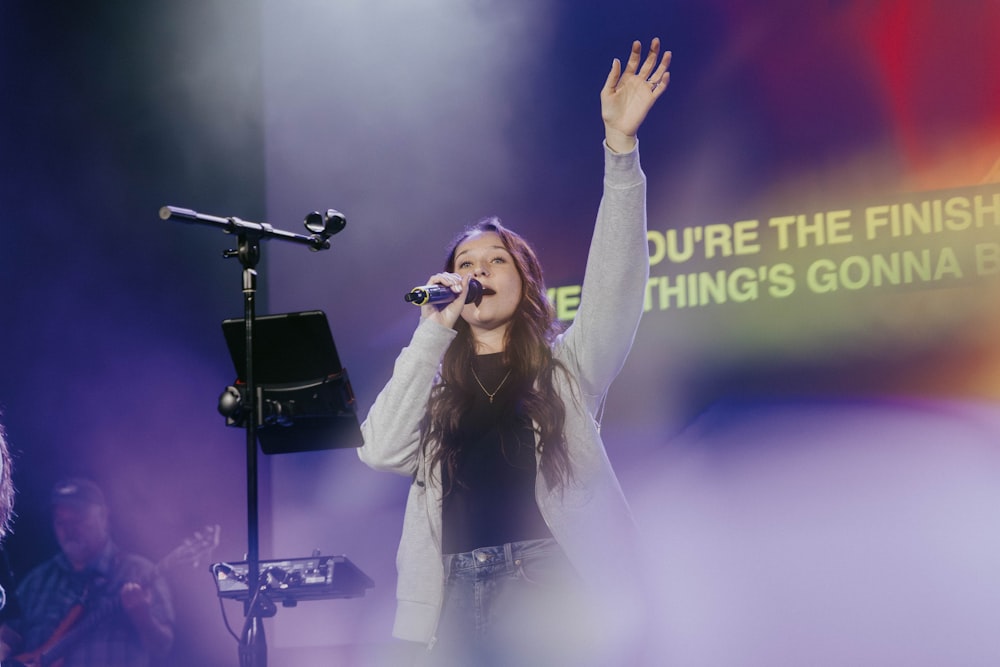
628	96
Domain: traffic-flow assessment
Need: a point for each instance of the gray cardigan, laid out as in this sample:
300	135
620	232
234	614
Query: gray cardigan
589	518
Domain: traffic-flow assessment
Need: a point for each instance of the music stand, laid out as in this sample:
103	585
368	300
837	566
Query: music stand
237	400
304	397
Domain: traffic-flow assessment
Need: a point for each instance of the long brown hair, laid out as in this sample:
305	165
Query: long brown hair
6	484
527	352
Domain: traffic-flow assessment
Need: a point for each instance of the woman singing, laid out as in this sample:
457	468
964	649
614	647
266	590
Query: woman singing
515	522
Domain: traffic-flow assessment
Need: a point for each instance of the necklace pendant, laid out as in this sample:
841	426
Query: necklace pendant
480	383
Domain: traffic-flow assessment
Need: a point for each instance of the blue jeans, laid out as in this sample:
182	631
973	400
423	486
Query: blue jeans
514	604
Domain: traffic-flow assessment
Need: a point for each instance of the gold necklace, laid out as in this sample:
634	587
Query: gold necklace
479	382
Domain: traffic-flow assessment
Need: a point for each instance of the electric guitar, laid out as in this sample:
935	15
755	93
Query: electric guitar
82	618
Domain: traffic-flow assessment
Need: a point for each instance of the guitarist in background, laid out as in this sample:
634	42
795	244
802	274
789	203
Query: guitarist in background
89	571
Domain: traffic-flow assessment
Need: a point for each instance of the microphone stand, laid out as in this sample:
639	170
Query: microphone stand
253	644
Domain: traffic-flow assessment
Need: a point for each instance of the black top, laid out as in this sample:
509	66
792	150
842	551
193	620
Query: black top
491	500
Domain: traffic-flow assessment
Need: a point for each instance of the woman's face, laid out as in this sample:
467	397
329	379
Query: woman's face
484	256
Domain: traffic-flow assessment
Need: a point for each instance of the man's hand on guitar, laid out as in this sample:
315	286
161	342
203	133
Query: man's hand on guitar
136	601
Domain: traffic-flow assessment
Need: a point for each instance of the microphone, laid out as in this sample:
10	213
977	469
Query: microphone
425	294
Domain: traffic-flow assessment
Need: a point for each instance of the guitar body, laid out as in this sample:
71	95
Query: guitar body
34	658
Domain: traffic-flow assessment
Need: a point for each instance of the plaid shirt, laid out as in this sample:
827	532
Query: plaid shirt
53	588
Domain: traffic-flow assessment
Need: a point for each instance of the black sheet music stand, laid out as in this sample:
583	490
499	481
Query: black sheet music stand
304	396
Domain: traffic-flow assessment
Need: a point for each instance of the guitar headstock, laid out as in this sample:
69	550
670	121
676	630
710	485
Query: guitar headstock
194	550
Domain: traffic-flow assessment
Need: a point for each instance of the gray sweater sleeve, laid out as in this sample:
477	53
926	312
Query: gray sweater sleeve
391	431
614	286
